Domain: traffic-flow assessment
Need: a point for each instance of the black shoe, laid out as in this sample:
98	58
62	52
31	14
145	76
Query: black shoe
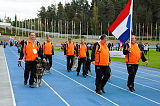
103	90
25	82
84	76
131	89
31	86
99	92
77	73
69	70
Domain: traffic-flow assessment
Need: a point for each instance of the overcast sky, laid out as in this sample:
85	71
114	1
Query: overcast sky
24	8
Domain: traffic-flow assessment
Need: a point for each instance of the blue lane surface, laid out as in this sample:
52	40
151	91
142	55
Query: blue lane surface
24	95
122	83
76	90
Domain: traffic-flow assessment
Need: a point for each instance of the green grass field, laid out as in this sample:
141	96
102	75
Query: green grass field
153	59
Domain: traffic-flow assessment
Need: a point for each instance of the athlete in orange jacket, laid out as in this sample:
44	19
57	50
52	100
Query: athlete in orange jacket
48	50
69	51
30	51
100	57
133	55
82	53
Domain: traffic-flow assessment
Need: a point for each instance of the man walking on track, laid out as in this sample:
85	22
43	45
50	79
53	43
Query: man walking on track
48	50
69	52
133	55
82	53
31	51
101	59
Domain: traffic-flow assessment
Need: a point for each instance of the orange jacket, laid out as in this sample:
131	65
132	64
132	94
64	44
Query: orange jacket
82	50
30	51
101	54
47	48
70	48
134	56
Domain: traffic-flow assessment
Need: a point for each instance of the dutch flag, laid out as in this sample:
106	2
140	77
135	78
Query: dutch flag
122	26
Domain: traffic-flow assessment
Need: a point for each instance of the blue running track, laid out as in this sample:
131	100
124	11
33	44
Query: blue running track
61	88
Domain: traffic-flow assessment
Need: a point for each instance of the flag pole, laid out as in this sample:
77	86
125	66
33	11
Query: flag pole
147	32
25	22
139	29
108	30
131	23
87	31
80	30
156	32
22	27
11	28
72	28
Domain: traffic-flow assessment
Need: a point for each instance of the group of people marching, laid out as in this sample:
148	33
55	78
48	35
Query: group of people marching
81	51
100	57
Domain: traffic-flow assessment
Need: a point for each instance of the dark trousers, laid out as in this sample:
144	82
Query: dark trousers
4	46
102	76
49	58
132	70
80	61
88	65
145	52
30	67
69	61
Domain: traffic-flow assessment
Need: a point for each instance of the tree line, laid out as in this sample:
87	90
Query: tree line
82	17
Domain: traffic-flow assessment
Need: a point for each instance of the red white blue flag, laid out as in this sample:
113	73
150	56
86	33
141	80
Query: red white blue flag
121	28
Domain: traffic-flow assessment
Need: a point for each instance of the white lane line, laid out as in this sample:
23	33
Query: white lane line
138	71
11	87
127	74
137	83
56	93
77	83
143	68
139	76
85	87
132	92
49	87
123	89
139	67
